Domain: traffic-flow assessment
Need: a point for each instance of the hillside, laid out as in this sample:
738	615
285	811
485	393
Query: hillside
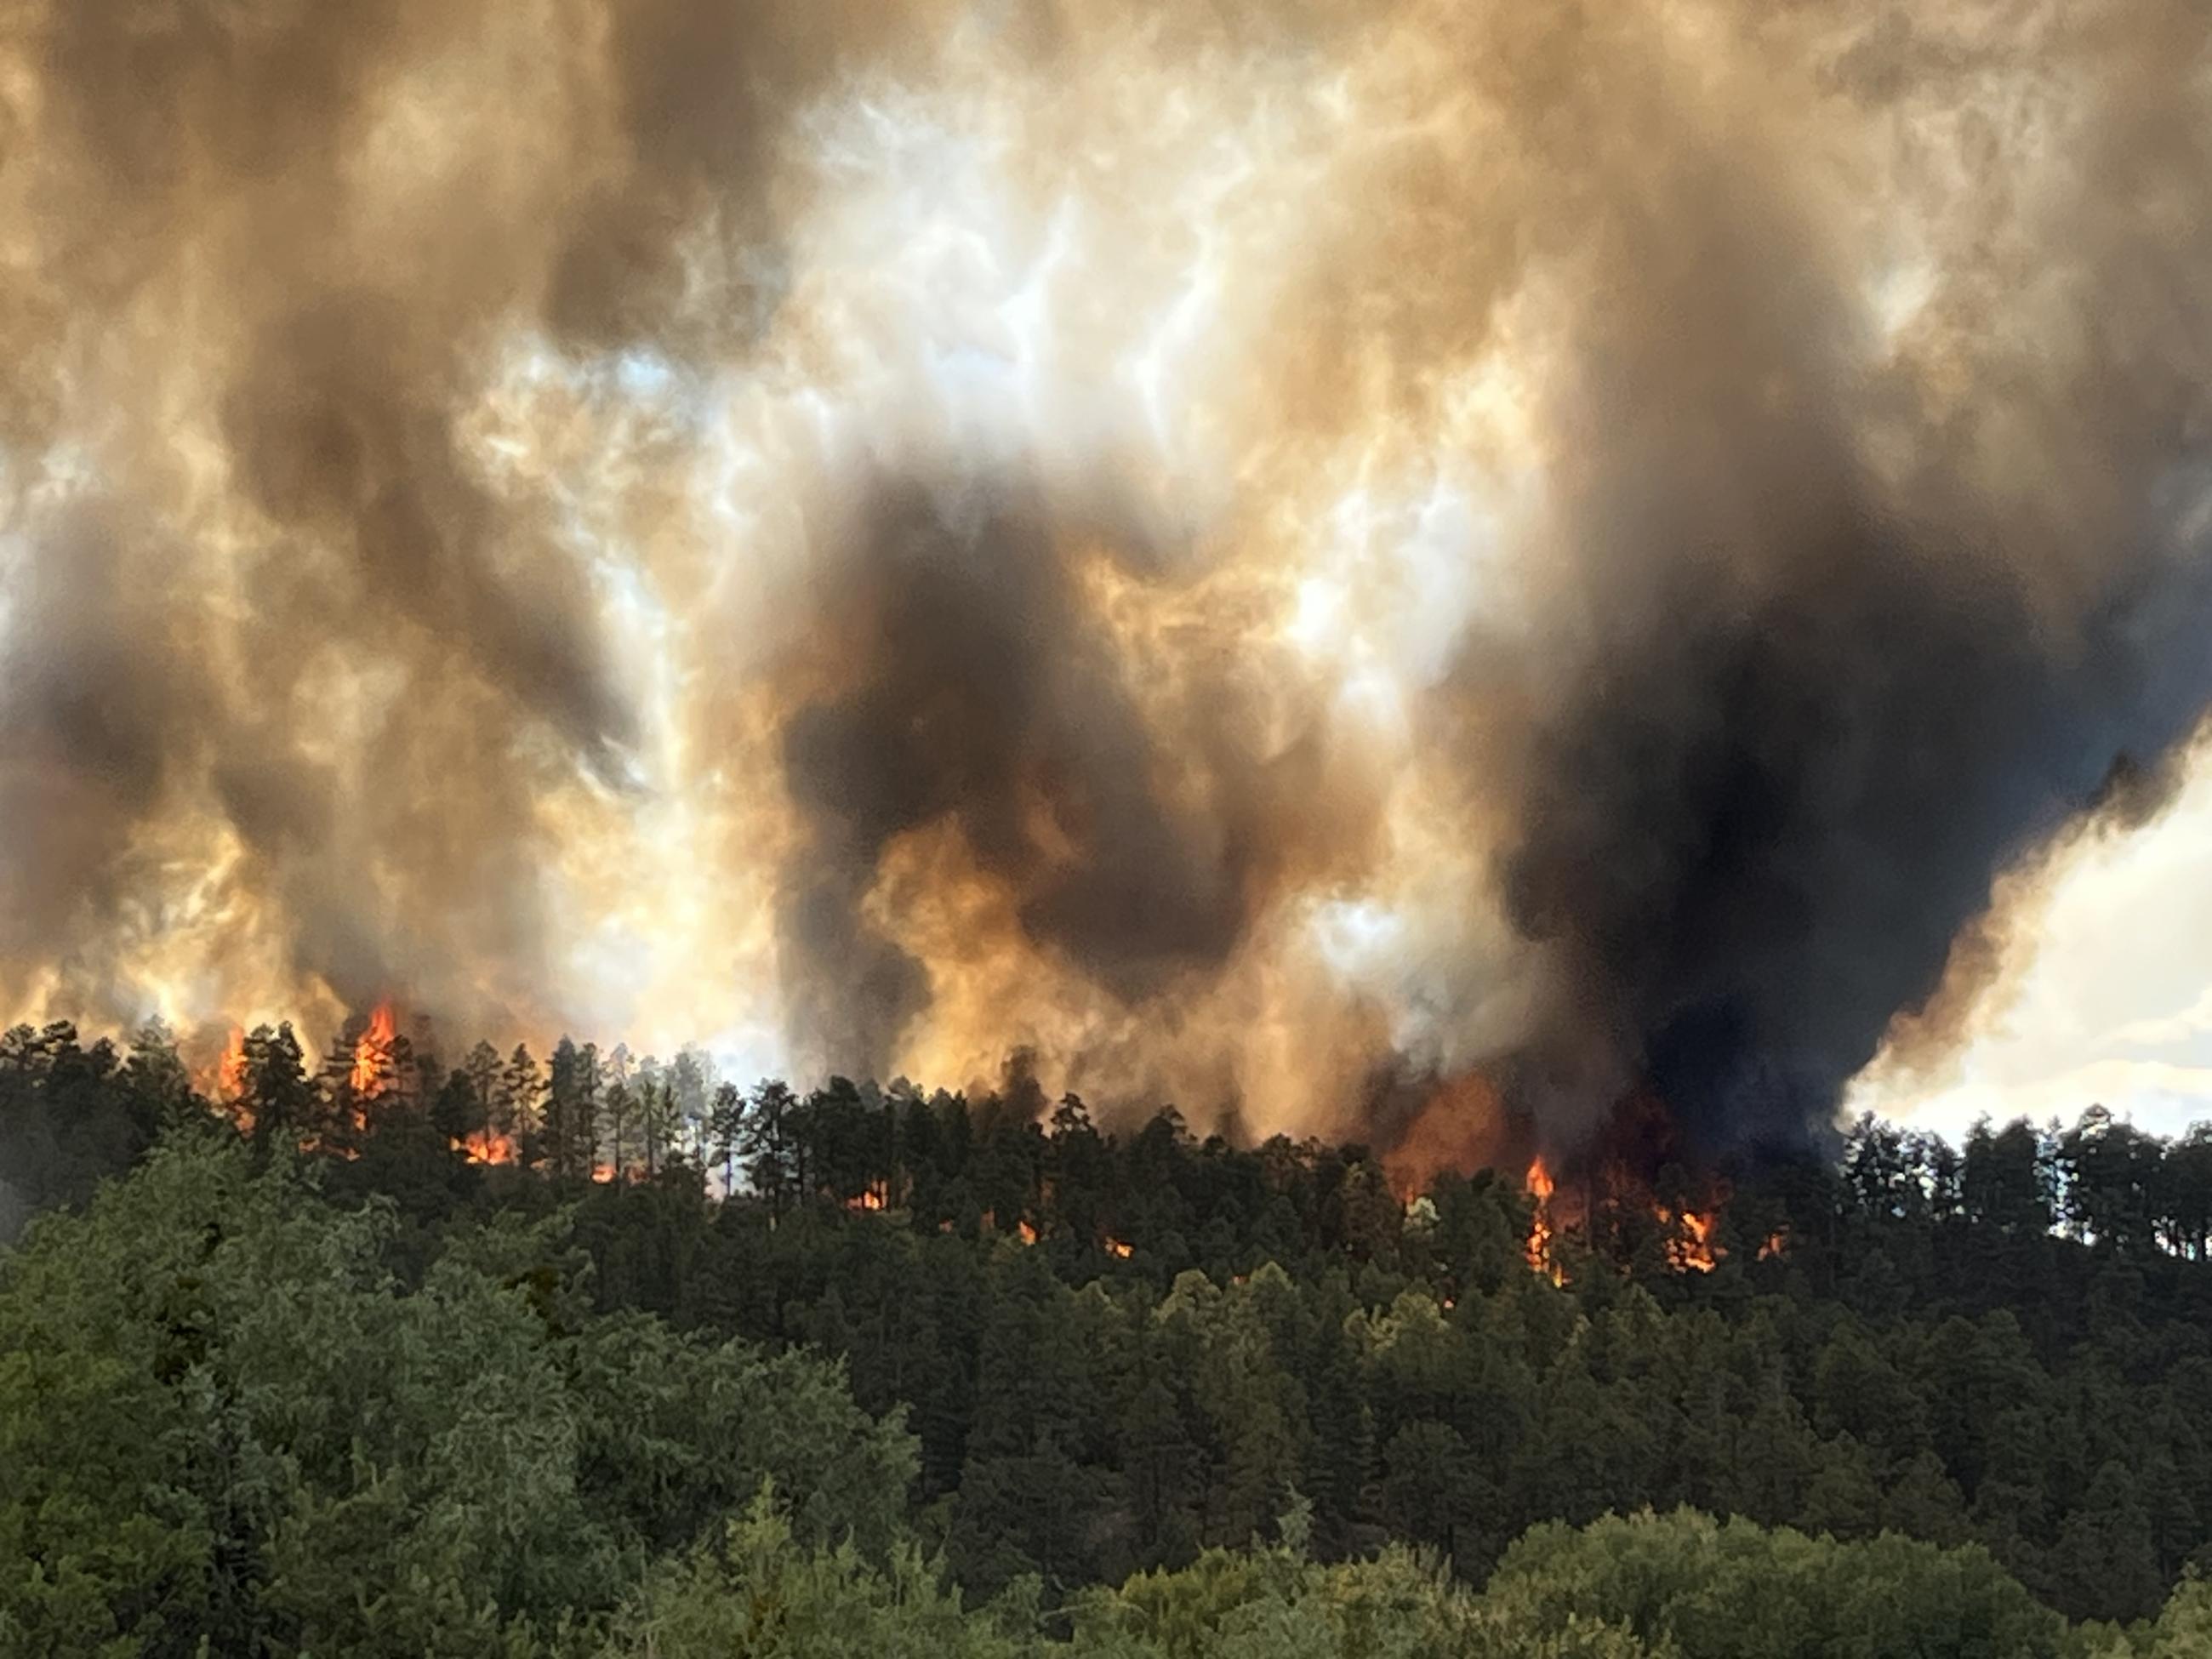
382	1394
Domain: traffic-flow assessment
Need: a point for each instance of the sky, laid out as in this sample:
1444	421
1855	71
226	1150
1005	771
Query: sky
2113	1005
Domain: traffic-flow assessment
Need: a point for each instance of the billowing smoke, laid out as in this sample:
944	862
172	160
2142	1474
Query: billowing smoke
267	257
1828	649
1524	552
985	696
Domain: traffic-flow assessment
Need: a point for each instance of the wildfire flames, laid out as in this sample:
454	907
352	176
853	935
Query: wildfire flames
372	1054
1464	1124
230	1073
487	1146
1541	1187
1690	1246
1609	1185
1689	1241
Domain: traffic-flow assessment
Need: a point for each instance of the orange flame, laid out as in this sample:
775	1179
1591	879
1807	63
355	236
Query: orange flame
1690	1247
226	1084
486	1146
1116	1247
372	1055
1029	1234
1541	1187
230	1075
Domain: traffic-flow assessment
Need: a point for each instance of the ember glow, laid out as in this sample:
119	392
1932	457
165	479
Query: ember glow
1381	568
485	1147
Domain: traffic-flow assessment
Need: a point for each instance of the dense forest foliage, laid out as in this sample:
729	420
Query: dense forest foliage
601	1357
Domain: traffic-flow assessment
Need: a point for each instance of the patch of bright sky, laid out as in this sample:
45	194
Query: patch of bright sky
747	1052
1391	587
1900	293
2115	1007
1355	937
1185	321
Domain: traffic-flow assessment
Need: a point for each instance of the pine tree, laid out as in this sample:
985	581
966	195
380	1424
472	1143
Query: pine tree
517	1118
281	1102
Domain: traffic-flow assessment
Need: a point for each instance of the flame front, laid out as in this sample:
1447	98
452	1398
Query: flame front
1538	1249
230	1073
488	1146
1690	1246
228	1086
371	1075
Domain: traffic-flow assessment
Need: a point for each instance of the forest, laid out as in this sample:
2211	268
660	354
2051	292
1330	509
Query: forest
602	1356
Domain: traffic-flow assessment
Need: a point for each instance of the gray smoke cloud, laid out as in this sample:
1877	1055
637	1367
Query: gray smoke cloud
284	216
1820	651
987	697
332	508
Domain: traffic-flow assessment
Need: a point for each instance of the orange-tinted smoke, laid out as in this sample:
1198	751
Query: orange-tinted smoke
1460	1128
1242	552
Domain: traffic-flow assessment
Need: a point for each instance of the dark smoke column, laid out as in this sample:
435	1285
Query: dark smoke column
1799	700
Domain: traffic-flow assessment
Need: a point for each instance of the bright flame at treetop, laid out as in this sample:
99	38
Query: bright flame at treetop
372	1055
1541	1187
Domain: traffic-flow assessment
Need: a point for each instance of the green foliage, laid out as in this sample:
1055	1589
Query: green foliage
1736	1590
1265	1603
2182	1631
223	1419
381	1398
70	1114
759	1595
1679	1587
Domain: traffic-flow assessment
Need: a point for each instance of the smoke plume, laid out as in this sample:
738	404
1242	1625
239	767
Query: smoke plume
1385	559
987	699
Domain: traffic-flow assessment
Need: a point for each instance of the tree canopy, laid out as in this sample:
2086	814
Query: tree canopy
320	1368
